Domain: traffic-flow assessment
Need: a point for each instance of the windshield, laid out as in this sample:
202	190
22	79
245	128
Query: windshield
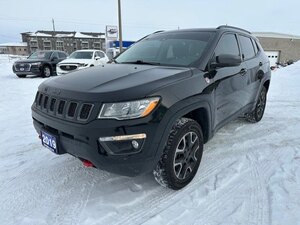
40	55
173	49
81	55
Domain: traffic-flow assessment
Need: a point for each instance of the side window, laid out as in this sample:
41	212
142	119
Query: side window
61	55
255	46
101	54
54	55
227	45
247	47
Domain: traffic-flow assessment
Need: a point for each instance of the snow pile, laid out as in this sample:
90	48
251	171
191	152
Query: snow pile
249	174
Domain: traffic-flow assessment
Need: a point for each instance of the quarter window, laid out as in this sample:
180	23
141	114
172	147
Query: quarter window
247	47
227	45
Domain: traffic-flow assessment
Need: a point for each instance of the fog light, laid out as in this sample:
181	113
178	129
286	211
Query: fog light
135	144
123	144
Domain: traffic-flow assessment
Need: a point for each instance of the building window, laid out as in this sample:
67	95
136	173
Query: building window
103	45
34	43
60	45
33	49
47	45
84	45
97	45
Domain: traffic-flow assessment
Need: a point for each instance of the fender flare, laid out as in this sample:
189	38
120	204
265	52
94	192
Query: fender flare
175	112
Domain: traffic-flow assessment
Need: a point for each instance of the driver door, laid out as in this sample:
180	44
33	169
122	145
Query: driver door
230	82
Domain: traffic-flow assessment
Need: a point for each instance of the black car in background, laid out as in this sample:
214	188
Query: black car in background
41	63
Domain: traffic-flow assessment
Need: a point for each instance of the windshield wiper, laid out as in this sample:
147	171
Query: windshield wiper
141	62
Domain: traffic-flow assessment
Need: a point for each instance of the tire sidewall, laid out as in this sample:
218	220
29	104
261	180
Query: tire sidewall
257	118
43	71
191	126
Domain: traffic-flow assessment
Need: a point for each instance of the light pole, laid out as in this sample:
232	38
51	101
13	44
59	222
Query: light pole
120	26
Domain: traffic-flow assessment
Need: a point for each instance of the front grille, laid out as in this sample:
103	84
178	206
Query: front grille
72	109
63	108
85	111
68	67
22	67
52	104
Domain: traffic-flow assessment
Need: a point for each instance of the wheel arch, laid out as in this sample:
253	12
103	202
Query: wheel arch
200	111
201	116
267	84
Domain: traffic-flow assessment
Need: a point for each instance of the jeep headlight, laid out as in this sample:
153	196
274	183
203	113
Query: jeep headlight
128	110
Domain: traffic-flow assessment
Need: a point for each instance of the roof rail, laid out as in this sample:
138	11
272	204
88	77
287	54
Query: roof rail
231	27
158	31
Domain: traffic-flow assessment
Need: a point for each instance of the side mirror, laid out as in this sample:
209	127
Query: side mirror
226	60
97	58
54	58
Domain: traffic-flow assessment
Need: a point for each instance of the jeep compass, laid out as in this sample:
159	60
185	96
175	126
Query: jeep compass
155	106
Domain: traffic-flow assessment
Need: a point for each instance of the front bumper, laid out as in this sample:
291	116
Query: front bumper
34	70
83	141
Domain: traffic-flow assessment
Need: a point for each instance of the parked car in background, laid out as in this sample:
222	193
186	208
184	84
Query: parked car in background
81	59
41	63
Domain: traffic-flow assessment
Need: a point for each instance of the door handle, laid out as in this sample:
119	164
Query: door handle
243	71
260	64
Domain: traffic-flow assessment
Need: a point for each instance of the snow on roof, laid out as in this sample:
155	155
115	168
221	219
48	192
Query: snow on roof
62	35
17	44
275	35
81	35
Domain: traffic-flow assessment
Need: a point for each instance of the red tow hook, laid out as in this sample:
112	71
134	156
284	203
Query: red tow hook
87	163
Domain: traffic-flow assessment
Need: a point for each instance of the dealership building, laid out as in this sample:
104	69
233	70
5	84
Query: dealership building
279	47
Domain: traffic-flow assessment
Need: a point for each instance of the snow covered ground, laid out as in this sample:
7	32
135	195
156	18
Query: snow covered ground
249	174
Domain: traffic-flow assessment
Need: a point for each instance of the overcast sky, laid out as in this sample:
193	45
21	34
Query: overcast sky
141	17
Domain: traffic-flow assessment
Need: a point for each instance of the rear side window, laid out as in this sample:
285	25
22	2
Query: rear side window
227	45
247	47
62	55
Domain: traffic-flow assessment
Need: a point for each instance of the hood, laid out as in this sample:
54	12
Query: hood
115	82
75	61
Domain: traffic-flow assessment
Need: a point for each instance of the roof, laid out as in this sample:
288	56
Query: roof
17	44
65	34
275	35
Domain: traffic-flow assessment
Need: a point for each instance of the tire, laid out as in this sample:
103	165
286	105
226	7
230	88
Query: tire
91	65
21	76
257	114
182	155
46	71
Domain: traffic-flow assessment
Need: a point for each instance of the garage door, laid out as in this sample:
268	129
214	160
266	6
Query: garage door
273	57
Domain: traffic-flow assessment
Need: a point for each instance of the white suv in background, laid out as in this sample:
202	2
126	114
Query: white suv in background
81	59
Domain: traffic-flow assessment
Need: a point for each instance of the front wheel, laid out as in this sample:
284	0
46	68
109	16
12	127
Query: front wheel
257	114
46	71
182	155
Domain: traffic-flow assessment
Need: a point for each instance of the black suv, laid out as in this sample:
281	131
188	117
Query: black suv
41	63
157	104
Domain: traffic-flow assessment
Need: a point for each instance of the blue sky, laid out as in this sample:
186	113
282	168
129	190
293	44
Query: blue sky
141	17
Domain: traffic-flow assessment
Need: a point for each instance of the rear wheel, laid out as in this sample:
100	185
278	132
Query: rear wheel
21	76
257	114
46	71
182	155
